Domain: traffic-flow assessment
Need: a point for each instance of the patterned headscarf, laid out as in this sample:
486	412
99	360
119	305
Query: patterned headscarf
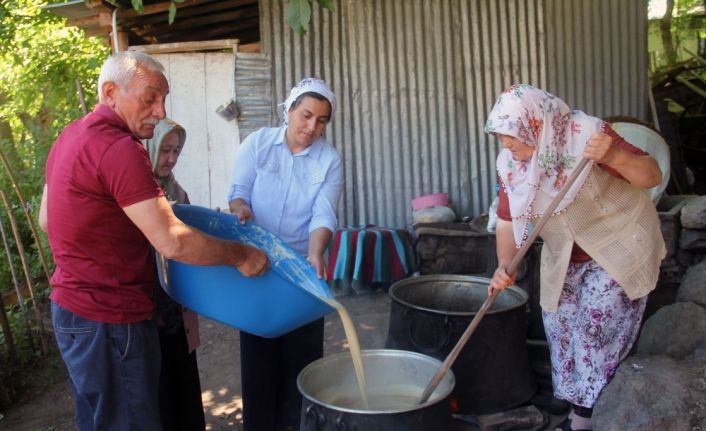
558	136
309	85
161	130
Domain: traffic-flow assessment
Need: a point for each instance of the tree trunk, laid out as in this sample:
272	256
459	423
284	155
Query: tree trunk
665	27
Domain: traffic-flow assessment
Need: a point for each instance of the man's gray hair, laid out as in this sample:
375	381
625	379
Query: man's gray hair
120	68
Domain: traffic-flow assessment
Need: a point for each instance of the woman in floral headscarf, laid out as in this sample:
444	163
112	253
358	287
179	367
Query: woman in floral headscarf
287	179
180	405
602	245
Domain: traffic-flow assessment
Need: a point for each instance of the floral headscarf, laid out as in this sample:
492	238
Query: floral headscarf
309	85
171	188
558	135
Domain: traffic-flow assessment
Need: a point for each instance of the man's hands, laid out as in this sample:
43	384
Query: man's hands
249	260
175	240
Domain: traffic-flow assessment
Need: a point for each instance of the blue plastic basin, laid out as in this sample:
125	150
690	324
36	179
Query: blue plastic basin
283	299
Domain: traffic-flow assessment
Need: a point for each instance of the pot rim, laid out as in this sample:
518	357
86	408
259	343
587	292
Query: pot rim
514	289
377	352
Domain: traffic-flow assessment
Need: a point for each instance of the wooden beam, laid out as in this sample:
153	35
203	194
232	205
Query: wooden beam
190	24
206	33
196	10
98	20
207	45
159	8
250	47
122	42
98	31
99	6
89	21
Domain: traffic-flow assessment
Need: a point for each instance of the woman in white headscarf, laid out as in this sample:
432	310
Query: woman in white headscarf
602	245
180	405
287	179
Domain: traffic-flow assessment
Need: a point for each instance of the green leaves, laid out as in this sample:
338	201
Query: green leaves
40	60
140	7
137	5
326	4
299	13
173	10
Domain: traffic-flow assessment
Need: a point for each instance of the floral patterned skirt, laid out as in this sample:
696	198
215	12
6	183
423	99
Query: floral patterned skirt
592	330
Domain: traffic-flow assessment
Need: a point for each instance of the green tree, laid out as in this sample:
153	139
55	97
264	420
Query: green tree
671	26
40	60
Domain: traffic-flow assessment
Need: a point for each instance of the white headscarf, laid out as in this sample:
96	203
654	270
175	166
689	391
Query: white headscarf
309	85
169	184
558	135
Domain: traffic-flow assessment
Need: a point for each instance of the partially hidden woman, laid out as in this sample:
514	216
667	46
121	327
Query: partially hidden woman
287	179
180	405
602	245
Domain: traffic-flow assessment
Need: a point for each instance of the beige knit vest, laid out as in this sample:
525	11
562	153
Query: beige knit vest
616	223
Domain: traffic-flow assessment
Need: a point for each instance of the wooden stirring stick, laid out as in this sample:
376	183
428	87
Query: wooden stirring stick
451	357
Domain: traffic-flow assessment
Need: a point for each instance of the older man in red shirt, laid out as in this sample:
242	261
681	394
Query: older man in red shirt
102	208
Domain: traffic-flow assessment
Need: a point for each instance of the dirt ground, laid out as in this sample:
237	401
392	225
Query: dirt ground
219	366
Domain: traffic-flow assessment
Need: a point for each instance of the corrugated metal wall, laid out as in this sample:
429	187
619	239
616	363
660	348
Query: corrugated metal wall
253	89
415	80
597	55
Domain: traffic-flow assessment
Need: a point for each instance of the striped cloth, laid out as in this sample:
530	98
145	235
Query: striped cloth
371	254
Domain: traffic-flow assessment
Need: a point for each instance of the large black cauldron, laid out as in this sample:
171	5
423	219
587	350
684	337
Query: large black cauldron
429	314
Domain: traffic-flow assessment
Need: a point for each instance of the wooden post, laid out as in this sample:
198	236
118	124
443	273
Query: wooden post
25	208
18	288
11	353
25	267
81	97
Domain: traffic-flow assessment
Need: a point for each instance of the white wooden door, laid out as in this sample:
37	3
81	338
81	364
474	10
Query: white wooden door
199	82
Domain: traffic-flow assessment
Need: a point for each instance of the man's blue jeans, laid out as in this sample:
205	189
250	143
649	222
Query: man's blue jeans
114	371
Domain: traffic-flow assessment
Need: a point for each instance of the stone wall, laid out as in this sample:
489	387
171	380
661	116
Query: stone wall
671	349
683	219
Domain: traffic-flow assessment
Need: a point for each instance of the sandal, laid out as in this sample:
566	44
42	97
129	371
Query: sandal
565	425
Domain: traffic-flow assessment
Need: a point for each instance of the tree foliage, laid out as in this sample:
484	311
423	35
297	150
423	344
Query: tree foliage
677	20
40	60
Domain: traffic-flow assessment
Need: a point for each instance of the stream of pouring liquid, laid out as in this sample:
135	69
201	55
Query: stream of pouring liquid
354	346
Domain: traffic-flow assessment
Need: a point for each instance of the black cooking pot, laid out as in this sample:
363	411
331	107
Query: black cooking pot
327	383
429	314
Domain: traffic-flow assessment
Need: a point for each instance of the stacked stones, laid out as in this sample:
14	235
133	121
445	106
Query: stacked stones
683	221
662	387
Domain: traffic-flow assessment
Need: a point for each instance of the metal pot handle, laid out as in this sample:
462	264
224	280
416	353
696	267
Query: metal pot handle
316	417
429	350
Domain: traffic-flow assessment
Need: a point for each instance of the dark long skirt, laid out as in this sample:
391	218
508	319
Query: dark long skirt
269	370
180	405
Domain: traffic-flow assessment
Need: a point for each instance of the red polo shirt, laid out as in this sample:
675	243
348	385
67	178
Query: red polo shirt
104	265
